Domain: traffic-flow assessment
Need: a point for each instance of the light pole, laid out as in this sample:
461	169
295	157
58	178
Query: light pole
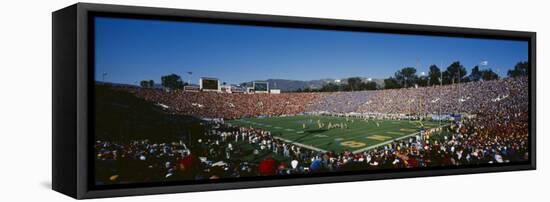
190	74
458	89
440	89
103	75
423	74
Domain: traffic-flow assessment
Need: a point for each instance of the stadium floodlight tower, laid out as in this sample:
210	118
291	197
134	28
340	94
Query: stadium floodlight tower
422	102
459	95
440	90
190	73
103	75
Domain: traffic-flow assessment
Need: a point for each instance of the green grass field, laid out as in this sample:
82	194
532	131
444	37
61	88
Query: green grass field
356	135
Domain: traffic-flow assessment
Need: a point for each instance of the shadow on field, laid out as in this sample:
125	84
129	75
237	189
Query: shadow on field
316	131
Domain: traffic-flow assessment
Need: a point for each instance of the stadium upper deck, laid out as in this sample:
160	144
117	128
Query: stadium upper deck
473	98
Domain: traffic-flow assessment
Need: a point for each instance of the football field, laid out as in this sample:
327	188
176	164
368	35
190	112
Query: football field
329	133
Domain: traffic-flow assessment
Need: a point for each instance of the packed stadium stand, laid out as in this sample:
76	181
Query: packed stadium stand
495	132
472	97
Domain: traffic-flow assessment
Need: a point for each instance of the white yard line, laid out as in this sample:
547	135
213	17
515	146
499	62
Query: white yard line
300	144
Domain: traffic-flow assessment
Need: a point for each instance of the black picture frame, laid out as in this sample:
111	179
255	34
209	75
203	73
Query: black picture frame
72	99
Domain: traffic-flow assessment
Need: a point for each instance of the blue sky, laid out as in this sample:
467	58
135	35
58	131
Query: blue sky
131	50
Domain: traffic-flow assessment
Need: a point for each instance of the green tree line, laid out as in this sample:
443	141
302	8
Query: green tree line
408	77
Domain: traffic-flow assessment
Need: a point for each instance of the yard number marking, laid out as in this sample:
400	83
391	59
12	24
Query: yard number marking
353	144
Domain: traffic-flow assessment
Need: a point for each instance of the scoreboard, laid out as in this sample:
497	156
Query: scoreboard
209	84
260	86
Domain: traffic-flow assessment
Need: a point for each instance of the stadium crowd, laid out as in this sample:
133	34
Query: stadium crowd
497	132
341	102
220	154
472	97
230	106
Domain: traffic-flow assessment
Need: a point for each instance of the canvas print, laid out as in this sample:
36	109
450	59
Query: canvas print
197	102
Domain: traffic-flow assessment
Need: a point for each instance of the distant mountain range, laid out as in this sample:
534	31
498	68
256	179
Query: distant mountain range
293	85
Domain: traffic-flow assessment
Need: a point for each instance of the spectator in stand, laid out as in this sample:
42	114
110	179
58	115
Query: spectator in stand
497	132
